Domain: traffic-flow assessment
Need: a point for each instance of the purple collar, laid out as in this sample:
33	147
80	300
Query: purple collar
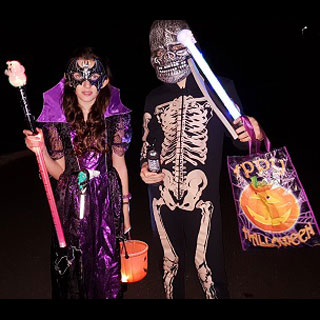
52	107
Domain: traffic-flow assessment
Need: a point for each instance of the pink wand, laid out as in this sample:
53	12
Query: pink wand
18	79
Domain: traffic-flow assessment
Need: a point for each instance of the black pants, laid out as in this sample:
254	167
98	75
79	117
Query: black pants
197	234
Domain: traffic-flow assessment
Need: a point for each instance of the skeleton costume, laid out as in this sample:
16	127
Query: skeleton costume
189	137
89	268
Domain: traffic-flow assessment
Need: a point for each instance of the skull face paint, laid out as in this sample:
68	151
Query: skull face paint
168	56
80	71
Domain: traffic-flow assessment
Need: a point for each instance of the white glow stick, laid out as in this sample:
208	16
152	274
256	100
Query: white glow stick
186	38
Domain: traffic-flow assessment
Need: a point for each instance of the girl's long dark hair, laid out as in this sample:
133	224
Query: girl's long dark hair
90	135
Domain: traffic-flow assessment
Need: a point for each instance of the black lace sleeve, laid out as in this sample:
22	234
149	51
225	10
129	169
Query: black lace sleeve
53	141
122	134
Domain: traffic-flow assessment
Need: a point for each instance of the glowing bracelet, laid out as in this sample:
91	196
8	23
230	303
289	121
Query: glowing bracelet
186	38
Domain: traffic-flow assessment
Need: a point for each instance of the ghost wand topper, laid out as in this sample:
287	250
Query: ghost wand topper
17	78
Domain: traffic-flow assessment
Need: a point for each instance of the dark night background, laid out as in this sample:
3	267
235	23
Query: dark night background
274	65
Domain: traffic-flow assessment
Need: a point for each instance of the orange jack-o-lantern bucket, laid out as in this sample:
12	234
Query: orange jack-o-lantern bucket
134	260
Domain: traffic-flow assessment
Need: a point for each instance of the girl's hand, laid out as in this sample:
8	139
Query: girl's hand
34	141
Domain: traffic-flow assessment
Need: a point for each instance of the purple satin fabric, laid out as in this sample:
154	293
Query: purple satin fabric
93	252
95	274
53	111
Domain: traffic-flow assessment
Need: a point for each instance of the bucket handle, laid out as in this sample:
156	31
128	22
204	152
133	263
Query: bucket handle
125	249
124	245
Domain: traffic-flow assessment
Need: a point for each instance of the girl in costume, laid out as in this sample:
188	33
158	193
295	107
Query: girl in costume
85	133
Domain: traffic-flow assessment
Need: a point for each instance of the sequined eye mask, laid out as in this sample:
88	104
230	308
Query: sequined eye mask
77	74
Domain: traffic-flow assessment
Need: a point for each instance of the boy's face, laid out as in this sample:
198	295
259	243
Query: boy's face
168	56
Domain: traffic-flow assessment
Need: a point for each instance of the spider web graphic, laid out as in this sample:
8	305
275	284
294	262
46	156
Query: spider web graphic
280	173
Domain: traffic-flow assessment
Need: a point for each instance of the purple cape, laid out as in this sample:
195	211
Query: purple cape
52	107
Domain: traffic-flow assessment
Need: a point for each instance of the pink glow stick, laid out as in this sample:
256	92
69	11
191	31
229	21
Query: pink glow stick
18	79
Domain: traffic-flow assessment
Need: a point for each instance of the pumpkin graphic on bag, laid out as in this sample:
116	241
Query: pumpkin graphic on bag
270	208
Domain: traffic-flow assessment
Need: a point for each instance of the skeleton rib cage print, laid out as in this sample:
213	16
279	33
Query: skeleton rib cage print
184	124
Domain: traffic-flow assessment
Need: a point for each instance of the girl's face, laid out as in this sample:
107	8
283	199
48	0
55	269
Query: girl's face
81	70
86	90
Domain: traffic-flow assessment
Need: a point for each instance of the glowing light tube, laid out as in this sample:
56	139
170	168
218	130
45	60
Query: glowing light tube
18	79
186	38
50	196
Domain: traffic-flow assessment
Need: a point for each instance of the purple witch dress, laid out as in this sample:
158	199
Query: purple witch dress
89	268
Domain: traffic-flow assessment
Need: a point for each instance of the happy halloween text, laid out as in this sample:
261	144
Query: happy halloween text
262	165
294	239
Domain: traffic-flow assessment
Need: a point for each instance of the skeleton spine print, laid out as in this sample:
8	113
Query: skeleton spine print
184	123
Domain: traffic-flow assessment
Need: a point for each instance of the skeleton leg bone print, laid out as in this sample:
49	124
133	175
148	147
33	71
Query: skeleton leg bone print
171	259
